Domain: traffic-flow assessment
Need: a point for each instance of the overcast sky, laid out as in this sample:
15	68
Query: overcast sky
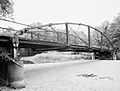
92	12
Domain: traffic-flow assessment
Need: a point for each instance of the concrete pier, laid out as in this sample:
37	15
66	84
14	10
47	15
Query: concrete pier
16	75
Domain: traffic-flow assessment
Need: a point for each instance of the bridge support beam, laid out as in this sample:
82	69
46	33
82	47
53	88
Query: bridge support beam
16	73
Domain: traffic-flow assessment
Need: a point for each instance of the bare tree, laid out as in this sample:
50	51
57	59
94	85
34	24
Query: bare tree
6	8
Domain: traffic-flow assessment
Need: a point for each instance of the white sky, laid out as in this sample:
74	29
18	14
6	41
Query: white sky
91	12
47	11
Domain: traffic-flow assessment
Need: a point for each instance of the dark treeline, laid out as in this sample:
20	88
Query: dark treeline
112	31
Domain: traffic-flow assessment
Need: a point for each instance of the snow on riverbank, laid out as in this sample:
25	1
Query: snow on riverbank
53	57
29	67
74	76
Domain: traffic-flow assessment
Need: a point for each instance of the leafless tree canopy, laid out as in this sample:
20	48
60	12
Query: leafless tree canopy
6	8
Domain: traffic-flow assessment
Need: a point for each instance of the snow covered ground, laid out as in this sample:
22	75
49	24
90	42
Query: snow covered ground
73	76
78	75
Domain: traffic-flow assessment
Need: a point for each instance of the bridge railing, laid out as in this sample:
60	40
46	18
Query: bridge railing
51	36
56	35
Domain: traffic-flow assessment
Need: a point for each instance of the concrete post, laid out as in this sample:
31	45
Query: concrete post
92	55
114	56
16	73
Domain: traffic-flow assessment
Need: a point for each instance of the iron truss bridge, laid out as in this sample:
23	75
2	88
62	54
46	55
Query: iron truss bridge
58	36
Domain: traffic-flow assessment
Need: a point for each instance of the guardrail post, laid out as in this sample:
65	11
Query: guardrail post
67	33
92	56
89	37
114	55
16	73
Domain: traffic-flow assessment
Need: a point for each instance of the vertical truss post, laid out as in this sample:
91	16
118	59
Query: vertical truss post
57	37
45	35
89	37
67	33
54	36
114	55
101	41
31	35
75	40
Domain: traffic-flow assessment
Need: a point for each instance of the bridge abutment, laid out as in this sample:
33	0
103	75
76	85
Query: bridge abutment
16	72
11	67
